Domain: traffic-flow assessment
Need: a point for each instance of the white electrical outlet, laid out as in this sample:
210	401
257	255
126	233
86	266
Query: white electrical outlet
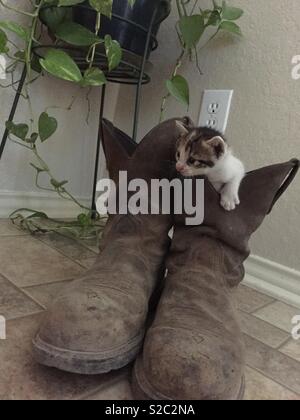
215	109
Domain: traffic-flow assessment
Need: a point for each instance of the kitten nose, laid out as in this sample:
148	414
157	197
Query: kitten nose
179	167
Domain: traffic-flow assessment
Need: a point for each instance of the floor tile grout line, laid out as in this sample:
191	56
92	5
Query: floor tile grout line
276	350
277	300
40	284
267	376
48	284
266	322
283	344
273	325
55	248
265	305
77	262
16	318
272	379
262	342
20	289
26	316
7	235
73	239
34	299
60	252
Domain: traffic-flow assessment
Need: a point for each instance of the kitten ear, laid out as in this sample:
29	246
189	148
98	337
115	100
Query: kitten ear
218	144
181	127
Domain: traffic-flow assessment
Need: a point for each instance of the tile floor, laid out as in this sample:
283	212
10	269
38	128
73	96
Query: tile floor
32	269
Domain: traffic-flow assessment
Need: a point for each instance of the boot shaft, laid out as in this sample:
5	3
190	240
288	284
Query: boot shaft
230	231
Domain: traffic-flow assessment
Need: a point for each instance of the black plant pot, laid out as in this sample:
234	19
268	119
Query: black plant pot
129	36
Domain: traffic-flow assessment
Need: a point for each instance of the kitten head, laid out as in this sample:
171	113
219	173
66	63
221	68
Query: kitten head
198	150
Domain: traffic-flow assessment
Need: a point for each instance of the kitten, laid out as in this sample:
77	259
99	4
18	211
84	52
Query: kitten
204	151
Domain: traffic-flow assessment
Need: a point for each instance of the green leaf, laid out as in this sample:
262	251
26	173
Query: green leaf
206	13
178	87
21	55
57	184
102	6
131	2
231	27
84	219
76	34
69	2
18	130
113	52
14	27
93	77
35	64
47	126
55	16
60	64
3	42
191	28
214	18
231	13
33	138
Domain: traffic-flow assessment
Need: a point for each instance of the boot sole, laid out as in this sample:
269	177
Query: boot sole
86	363
143	390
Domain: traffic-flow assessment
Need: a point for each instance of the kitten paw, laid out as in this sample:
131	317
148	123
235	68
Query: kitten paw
229	202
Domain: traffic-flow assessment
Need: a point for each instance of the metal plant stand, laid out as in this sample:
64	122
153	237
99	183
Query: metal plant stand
131	71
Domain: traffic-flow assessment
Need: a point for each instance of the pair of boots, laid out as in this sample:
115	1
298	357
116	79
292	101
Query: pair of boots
193	348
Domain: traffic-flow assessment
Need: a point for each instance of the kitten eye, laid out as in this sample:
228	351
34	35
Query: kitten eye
203	162
177	155
191	161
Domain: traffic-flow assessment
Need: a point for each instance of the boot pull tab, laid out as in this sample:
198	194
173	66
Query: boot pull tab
289	179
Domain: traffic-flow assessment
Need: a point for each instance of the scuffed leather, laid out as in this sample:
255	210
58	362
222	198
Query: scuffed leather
106	309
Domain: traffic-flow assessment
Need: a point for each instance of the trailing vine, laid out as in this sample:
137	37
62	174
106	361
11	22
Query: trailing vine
53	19
193	22
59	64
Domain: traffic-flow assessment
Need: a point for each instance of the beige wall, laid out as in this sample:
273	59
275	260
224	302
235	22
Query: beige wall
264	125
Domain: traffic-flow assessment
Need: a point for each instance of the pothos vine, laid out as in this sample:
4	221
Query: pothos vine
192	23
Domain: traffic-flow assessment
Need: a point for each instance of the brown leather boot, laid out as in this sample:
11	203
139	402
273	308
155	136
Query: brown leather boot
194	348
97	323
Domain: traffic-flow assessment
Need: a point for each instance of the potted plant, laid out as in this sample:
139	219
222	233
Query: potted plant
87	26
136	14
126	22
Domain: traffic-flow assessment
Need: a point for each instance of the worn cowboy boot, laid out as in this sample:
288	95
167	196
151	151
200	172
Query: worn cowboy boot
194	348
97	323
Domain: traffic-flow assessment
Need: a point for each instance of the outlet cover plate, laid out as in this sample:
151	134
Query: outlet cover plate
215	109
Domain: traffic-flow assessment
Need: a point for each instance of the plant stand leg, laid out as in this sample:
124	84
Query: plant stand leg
140	82
103	94
13	110
136	111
